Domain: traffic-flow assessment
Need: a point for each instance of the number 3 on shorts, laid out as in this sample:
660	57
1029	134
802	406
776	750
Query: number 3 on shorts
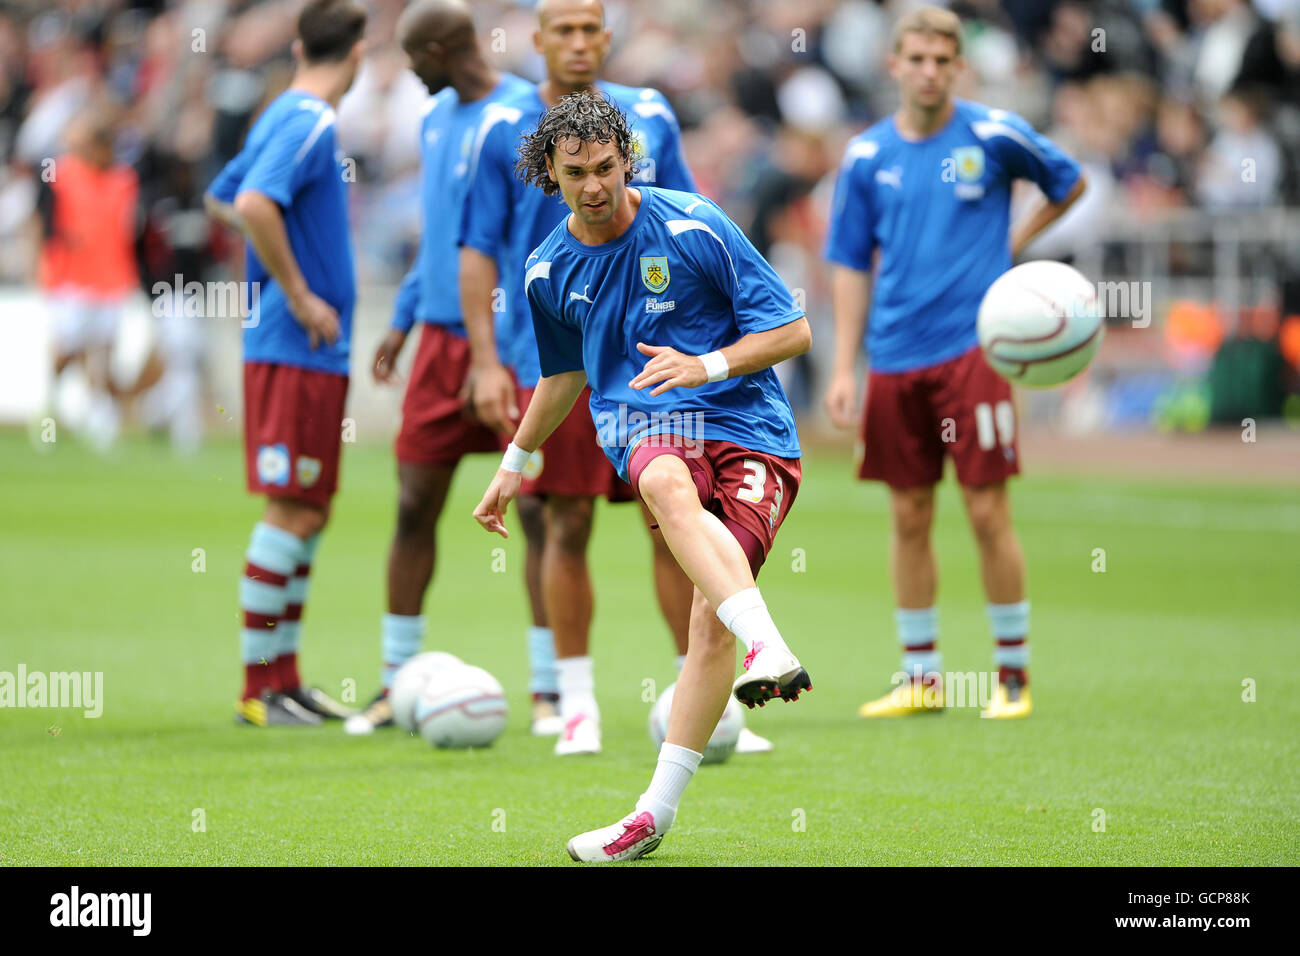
755	486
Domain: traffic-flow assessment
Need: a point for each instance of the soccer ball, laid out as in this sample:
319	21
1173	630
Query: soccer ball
409	681
723	742
461	706
1039	324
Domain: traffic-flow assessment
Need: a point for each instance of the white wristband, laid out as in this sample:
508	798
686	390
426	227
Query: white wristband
515	458
715	366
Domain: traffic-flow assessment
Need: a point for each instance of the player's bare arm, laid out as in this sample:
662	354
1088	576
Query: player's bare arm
550	405
752	353
1042	217
264	227
223	212
384	367
492	387
850	298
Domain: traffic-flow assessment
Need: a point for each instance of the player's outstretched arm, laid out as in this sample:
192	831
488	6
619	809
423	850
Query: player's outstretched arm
669	368
264	226
551	403
850	297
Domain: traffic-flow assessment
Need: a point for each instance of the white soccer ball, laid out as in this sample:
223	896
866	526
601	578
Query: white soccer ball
721	744
1040	324
409	682
461	706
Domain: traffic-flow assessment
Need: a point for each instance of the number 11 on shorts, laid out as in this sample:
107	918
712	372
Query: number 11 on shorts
1001	415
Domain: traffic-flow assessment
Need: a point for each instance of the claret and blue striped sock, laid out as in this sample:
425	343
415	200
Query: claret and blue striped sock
1010	625
288	633
269	563
918	633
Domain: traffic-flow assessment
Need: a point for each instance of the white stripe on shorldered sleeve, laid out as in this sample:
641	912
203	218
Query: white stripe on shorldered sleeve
985	129
648	110
540	271
678	226
325	121
493	113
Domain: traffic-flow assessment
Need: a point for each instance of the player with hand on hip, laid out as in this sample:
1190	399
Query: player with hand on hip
286	191
437	430
656	299
923	198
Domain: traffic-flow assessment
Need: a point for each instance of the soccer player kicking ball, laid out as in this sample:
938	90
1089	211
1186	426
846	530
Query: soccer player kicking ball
505	220
659	302
287	192
924	196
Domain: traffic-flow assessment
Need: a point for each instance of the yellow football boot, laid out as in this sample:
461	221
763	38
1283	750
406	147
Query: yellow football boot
251	710
1011	701
908	698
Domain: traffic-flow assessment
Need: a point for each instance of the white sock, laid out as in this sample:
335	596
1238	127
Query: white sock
745	615
673	772
679	661
577	688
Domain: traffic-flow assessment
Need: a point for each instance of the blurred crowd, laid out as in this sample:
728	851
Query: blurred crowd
1169	104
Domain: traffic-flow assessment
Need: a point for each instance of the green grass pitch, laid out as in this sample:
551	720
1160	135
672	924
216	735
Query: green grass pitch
1138	679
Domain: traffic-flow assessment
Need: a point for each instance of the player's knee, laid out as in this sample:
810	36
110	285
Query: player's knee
315	520
416	511
532	519
989	516
913	515
666	487
568	524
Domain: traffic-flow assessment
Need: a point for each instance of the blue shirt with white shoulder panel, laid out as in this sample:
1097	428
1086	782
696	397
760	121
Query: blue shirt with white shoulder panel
291	157
938	210
505	218
682	275
446	145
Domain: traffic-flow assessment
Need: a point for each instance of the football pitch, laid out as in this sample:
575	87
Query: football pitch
1167	686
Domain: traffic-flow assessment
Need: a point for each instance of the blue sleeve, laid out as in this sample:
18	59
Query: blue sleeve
1027	154
226	185
285	160
559	344
489	191
408	300
673	172
849	240
759	299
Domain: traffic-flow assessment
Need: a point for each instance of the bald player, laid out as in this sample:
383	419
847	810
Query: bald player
437	429
504	221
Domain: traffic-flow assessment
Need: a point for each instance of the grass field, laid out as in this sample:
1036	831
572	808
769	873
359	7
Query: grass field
1138	680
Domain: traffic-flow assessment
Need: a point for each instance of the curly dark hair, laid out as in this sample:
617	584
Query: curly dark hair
587	116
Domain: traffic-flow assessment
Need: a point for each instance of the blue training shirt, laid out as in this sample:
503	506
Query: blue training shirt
939	212
506	218
431	291
682	275
291	157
